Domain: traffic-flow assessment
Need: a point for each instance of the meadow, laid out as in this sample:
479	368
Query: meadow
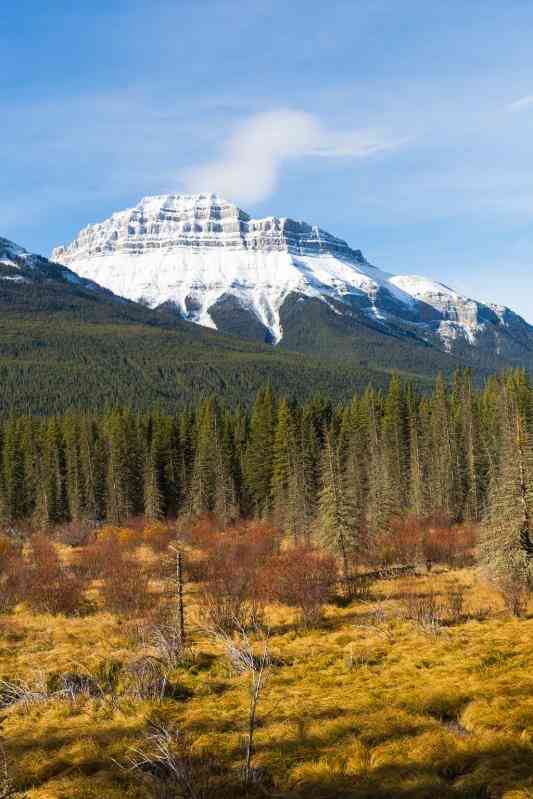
419	686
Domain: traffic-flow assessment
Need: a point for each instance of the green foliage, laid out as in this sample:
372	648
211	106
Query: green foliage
64	347
344	474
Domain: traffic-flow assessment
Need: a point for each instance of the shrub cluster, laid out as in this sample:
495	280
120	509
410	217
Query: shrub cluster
244	568
430	540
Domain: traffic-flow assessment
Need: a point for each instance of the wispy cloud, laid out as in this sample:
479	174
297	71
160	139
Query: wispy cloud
251	160
520	104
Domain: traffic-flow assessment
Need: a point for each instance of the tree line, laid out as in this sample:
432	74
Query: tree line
352	466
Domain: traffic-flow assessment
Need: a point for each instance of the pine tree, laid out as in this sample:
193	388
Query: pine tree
92	453
153	498
337	518
394	446
258	459
52	503
12	472
416	490
226	505
212	489
74	477
469	455
442	472
118	483
510	502
282	467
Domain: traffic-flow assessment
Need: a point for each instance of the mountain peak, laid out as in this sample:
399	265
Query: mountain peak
198	220
193	250
214	263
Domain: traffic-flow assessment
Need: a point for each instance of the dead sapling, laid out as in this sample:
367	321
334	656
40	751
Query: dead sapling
180	604
239	650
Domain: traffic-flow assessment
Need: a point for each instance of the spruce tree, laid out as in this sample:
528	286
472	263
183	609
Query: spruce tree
510	501
337	518
258	459
442	471
118	483
212	489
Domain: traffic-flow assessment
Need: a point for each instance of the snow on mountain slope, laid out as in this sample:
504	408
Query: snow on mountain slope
195	251
20	266
13	255
192	250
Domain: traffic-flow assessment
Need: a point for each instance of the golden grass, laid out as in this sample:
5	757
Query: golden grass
365	707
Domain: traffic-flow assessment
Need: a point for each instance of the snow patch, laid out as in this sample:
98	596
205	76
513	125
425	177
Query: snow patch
15	278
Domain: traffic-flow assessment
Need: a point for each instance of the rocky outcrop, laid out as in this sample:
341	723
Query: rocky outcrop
197	221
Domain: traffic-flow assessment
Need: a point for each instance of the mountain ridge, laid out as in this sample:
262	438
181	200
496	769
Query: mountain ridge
211	262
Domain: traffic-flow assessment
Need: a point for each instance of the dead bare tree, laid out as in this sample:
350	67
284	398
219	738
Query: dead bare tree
180	607
239	650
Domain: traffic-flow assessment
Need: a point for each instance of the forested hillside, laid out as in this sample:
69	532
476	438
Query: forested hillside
66	343
76	351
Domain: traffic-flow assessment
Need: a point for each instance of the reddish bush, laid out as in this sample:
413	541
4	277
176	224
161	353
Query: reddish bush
433	540
11	573
301	577
158	536
230	569
125	582
90	562
49	586
136	523
76	534
452	545
400	543
125	537
203	531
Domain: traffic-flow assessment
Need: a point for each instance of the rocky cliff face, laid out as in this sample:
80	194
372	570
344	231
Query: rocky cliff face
203	221
219	267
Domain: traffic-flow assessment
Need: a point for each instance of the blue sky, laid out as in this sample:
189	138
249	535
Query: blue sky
405	128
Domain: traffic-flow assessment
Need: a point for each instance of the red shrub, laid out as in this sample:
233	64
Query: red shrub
49	586
433	540
400	543
230	569
76	534
301	577
90	562
125	582
204	531
11	573
158	536
452	545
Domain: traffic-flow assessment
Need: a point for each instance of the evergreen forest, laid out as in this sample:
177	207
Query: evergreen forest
316	468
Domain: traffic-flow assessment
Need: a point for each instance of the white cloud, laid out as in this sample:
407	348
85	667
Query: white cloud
523	102
251	160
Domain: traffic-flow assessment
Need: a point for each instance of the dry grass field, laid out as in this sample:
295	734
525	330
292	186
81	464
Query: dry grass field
422	689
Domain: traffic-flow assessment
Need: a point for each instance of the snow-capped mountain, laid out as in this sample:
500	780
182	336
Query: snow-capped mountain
18	266
213	263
